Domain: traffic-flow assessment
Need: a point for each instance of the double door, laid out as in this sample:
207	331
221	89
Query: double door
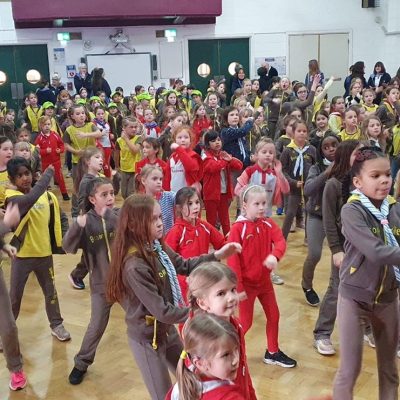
15	62
216	56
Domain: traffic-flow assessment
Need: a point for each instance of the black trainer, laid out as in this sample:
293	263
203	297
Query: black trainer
76	283
279	358
311	297
66	197
76	376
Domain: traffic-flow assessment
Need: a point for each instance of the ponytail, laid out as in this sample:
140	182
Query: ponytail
189	385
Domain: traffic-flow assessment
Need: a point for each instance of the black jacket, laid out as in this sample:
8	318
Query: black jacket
80	82
266	76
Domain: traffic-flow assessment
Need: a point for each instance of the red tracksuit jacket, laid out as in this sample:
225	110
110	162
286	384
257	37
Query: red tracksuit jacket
212	166
54	142
212	390
259	239
191	241
198	126
192	164
243	379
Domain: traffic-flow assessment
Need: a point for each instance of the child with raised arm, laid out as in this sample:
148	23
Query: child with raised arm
37	236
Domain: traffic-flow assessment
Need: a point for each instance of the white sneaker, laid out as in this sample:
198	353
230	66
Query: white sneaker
370	340
61	333
276	279
324	347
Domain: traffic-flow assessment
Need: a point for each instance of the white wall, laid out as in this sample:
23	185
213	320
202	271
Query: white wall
266	22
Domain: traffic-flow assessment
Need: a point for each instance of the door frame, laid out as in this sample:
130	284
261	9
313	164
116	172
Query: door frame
318	32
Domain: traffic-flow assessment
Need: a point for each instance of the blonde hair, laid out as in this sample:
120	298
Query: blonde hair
262	142
204	277
144	173
251	189
364	130
19	146
202	338
43	119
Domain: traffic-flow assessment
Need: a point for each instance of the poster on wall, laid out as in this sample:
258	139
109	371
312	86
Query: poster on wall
279	63
59	55
71	71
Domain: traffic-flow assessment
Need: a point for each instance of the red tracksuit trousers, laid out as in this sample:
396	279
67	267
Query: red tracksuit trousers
266	295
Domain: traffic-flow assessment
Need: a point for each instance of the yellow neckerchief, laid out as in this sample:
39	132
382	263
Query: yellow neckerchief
33	117
293	145
389	107
355	197
55	127
57	221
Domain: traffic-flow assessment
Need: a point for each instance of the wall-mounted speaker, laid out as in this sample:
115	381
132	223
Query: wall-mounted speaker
368	3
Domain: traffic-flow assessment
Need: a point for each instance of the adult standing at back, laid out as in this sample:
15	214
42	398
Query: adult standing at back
313	69
99	84
378	81
237	79
357	71
83	79
266	73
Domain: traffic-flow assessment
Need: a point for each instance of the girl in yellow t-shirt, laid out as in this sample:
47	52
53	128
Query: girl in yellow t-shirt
351	129
128	153
6	153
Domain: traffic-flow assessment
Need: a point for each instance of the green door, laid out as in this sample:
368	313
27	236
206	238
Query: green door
218	54
15	62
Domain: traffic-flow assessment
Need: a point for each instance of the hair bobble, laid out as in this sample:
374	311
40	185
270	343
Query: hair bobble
183	355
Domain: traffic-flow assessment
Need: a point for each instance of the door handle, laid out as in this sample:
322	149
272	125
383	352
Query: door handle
14	92
20	91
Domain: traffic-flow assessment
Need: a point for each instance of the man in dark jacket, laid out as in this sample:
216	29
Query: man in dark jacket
83	79
266	74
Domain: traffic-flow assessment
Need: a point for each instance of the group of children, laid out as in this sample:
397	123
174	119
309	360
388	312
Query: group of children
152	255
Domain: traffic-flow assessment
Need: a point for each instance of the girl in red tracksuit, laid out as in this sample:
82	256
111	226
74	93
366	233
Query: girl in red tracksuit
266	172
184	165
191	236
51	146
262	246
151	155
212	288
200	122
217	183
211	345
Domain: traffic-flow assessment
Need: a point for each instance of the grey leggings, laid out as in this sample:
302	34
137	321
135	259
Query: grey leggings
315	239
327	311
100	314
385	326
8	329
154	364
294	206
42	267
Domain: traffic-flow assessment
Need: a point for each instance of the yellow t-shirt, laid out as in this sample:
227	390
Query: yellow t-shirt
3	182
335	123
79	144
371	109
344	135
36	242
128	160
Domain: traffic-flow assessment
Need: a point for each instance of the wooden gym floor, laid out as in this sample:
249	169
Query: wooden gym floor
114	374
